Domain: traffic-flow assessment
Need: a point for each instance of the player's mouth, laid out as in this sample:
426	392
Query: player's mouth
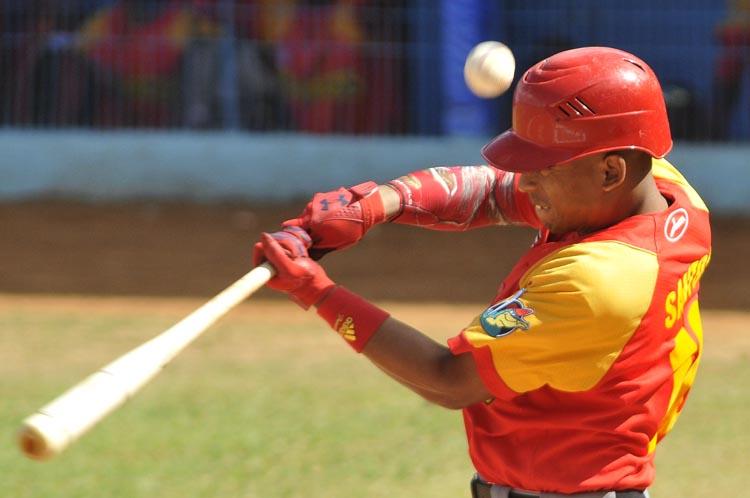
541	207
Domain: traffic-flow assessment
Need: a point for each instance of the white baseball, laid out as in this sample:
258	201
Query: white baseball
489	69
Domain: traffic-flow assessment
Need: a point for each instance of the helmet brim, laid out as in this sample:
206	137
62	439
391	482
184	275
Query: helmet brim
509	152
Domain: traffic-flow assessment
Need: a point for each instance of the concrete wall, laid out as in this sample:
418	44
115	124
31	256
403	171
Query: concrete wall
275	167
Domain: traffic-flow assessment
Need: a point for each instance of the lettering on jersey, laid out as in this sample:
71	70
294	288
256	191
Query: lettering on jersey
674	305
676	225
504	317
345	327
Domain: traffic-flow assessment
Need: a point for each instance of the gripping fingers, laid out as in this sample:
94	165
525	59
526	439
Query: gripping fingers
275	252
293	239
290	244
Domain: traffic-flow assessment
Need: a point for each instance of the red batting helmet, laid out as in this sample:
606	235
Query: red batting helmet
580	102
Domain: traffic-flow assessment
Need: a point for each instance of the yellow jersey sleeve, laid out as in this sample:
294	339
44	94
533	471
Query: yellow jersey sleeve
571	318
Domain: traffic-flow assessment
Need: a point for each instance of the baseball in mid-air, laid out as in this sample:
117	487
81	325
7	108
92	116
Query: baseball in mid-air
489	69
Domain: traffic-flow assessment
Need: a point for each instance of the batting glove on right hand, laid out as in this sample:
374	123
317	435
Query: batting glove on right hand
340	218
293	240
296	273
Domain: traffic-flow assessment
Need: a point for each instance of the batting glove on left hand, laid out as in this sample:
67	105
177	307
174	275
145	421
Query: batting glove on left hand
339	219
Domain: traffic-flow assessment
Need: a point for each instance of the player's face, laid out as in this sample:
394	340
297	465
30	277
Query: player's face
566	197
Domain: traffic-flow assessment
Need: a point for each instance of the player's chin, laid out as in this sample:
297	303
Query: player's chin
557	226
547	218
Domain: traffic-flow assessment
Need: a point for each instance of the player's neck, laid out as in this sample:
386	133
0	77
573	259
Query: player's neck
643	198
646	197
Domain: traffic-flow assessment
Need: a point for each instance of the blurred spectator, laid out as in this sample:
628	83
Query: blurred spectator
687	118
340	63
319	59
733	61
61	79
295	55
383	107
19	45
256	81
35	60
135	48
320	66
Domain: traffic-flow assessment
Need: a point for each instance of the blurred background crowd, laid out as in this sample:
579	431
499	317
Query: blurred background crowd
342	66
318	66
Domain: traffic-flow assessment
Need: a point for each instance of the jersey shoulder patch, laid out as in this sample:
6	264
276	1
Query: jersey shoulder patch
507	316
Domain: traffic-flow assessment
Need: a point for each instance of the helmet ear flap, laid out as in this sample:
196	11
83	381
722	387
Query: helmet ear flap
580	102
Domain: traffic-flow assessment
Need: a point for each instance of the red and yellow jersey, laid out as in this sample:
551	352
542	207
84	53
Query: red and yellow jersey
590	349
145	50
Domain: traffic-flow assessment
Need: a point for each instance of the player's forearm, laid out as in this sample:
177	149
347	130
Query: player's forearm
425	366
431	396
391	201
407	355
449	198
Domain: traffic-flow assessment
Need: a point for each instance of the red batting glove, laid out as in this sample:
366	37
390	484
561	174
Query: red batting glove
296	274
340	218
293	240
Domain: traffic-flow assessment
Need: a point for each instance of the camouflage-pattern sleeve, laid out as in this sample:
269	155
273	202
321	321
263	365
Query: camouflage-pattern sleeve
458	198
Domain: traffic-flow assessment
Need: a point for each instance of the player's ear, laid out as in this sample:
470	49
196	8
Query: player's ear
613	170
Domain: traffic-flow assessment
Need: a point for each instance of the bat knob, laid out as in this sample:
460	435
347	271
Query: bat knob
41	437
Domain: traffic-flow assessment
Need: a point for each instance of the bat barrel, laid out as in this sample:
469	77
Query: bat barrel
51	429
56	425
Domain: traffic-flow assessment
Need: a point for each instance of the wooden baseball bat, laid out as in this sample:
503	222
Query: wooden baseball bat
55	426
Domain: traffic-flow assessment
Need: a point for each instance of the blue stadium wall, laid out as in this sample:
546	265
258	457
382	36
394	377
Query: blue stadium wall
106	166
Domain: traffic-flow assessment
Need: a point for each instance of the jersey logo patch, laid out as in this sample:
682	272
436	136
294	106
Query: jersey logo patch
676	225
504	317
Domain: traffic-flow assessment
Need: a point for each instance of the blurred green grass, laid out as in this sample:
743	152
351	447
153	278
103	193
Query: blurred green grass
270	404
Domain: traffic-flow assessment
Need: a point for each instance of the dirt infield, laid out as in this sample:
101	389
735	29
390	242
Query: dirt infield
181	249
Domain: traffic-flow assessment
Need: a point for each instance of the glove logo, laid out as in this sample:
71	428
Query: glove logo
504	317
325	204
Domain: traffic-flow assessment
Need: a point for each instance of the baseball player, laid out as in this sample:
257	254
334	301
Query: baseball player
583	360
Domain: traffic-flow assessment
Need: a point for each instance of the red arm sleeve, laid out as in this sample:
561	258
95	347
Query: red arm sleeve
458	198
